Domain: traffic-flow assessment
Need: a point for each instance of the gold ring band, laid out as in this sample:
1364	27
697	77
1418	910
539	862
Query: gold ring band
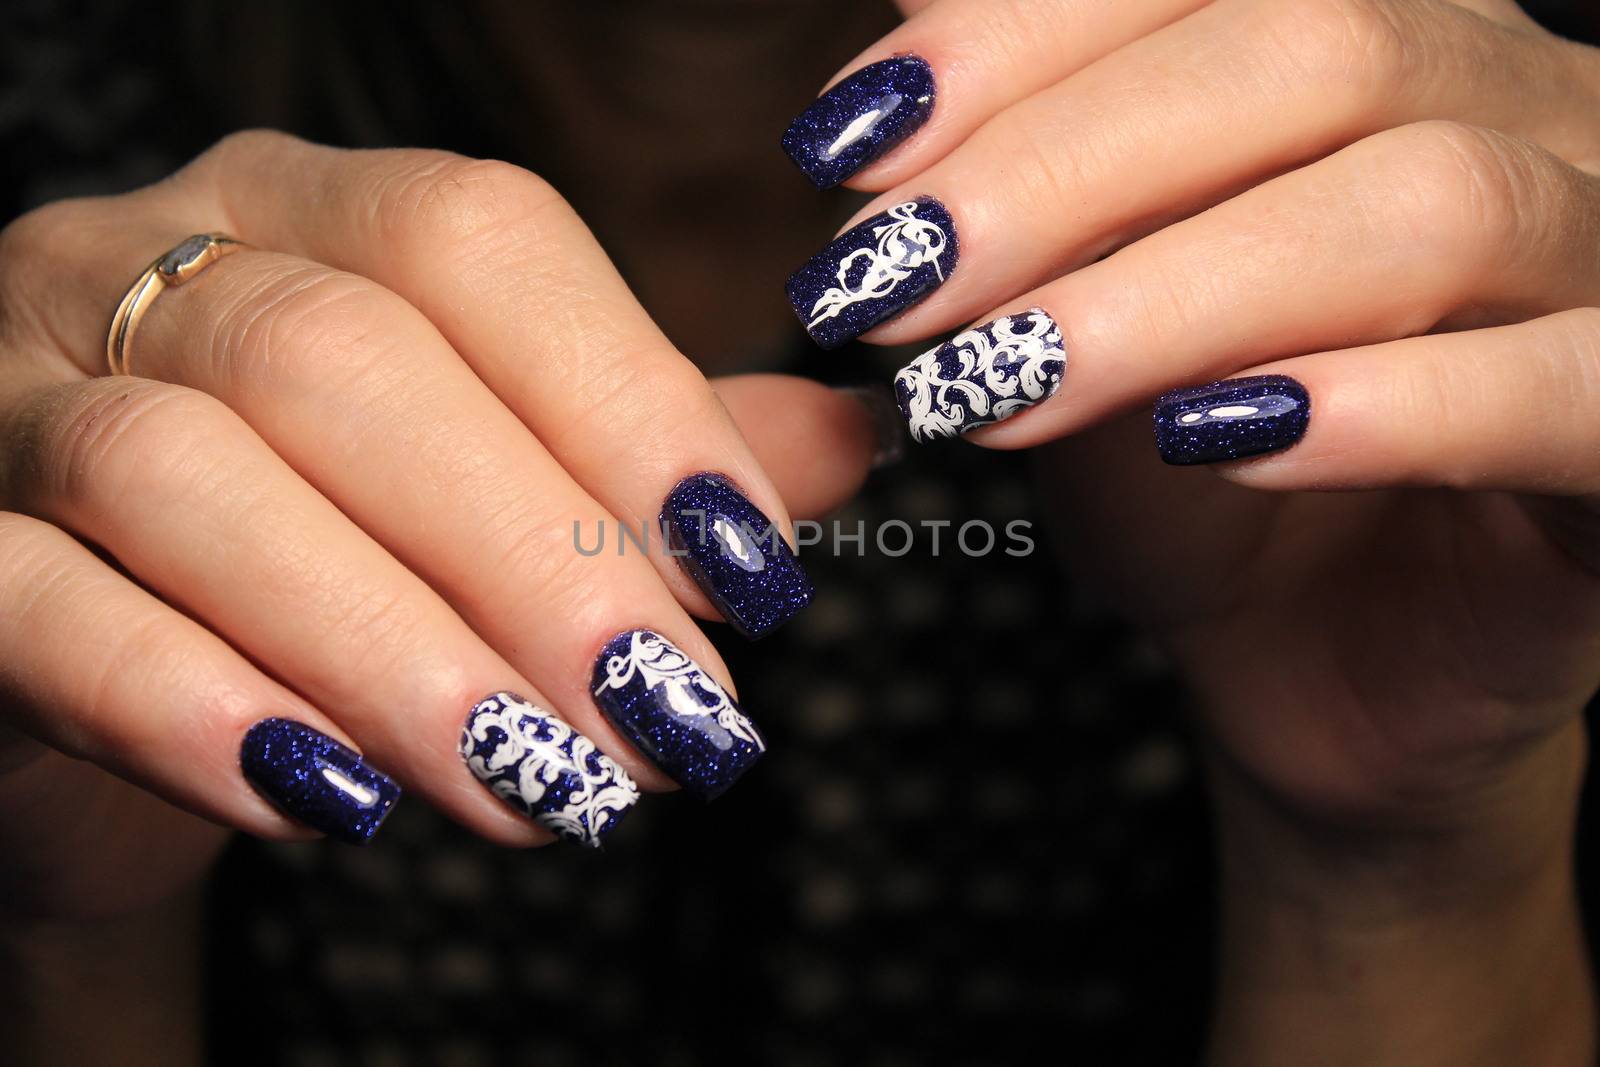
171	269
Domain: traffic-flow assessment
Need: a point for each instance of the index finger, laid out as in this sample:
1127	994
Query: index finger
513	279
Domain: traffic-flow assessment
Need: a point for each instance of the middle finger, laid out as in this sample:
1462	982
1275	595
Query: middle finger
358	393
1179	120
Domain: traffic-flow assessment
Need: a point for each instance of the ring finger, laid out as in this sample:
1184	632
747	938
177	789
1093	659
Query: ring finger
1436	223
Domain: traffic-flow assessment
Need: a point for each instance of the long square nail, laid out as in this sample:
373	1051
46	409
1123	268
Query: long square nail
674	712
1231	419
735	554
860	119
546	770
316	780
874	271
981	376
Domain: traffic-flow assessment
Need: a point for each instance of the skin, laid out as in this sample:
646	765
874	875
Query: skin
1393	202
1389	682
272	525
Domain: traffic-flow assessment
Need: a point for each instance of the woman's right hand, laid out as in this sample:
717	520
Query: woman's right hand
342	496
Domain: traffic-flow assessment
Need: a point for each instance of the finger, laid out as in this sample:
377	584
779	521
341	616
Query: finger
97	668
817	444
1504	408
516	284
1430	224
180	491
949	68
535	566
362	396
1235	93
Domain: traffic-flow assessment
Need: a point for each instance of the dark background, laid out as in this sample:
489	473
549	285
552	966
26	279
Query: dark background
979	829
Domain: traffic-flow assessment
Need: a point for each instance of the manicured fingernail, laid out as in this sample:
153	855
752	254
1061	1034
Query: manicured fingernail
983	375
875	271
674	712
860	119
316	780
735	554
545	769
1231	419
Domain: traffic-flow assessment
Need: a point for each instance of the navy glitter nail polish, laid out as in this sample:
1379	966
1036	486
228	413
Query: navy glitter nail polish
545	769
861	119
316	780
982	376
674	712
874	271
1231	419
735	554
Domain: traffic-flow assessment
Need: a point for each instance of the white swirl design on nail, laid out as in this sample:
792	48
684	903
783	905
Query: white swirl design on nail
903	246
688	691
537	753
982	376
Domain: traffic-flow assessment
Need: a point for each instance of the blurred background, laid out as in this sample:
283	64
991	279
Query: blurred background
979	829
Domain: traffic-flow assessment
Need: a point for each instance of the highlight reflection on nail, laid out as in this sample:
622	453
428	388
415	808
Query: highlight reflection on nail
1231	419
316	780
860	119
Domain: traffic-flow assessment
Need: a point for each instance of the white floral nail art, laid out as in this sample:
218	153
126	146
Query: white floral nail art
982	376
545	769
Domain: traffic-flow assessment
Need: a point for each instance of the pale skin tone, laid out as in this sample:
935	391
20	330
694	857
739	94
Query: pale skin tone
1394	202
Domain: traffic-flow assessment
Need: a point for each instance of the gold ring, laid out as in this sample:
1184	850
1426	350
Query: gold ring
171	269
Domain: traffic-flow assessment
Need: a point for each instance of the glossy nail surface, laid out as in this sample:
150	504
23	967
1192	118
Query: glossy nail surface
1231	419
735	554
874	271
982	376
674	712
546	770
860	119
316	780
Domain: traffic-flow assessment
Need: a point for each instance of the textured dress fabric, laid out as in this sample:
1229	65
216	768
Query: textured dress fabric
977	828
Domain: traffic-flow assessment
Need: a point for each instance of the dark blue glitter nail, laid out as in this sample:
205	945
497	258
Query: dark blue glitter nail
1231	419
674	712
316	780
861	119
875	271
735	554
545	769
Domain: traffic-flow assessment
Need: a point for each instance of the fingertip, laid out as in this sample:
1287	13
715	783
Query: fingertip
816	443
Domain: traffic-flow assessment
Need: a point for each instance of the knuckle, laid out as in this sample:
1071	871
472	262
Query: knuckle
254	143
1355	51
93	440
34	234
235	152
1461	191
307	328
257	137
44	243
440	200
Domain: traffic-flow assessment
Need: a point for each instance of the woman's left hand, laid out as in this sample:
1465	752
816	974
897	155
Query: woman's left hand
1385	216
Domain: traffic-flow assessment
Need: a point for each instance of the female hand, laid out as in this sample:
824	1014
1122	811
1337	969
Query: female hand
1390	208
340	502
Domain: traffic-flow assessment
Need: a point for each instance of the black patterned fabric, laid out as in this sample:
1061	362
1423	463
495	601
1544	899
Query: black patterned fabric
979	829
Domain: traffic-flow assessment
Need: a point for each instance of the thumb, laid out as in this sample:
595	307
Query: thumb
816	443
